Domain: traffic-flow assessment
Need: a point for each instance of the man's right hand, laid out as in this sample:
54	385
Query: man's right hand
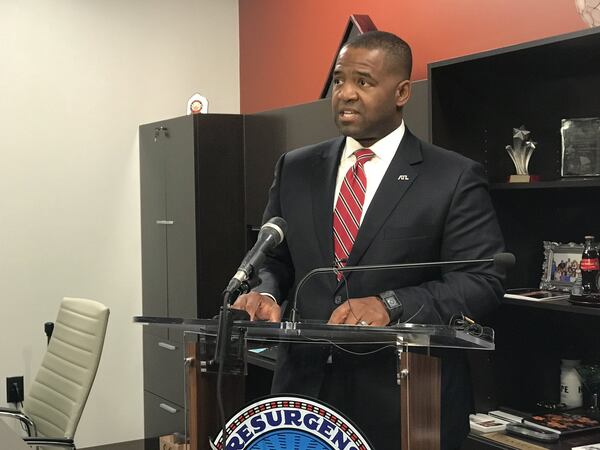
259	307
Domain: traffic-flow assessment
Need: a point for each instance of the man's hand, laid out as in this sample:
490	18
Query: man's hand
361	311
259	307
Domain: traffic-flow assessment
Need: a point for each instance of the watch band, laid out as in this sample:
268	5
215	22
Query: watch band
392	304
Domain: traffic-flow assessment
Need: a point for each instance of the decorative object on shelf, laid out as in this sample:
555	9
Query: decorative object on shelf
590	266
590	377
580	147
589	10
520	153
571	393
563	422
197	104
585	291
561	264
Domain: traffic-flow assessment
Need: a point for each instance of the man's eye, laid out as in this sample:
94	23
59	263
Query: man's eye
362	82
337	81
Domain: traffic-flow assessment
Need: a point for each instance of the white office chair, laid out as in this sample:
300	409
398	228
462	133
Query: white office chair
55	401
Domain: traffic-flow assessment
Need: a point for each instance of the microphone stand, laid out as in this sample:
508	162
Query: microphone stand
366	268
226	319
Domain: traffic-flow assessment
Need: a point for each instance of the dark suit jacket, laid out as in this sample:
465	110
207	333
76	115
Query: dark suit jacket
431	205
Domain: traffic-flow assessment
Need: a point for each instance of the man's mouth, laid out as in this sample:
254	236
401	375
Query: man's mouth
348	113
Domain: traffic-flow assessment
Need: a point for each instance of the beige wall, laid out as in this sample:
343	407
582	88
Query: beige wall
77	77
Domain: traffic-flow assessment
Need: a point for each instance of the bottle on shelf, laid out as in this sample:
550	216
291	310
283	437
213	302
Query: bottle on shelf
590	267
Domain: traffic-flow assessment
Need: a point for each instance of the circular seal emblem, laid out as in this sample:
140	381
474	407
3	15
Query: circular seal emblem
290	423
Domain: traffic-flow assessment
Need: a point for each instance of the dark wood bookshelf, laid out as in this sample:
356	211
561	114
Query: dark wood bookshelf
564	183
562	305
474	103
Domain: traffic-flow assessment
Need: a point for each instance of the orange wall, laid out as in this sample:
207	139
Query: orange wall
287	46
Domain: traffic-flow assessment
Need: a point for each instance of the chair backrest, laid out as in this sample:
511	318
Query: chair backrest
61	387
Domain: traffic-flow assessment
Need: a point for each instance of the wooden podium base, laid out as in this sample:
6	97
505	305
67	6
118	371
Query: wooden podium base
420	397
203	418
420	394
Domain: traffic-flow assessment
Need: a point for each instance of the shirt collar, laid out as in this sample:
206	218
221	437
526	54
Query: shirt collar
385	148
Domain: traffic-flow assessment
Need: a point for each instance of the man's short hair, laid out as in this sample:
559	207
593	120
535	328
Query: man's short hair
399	52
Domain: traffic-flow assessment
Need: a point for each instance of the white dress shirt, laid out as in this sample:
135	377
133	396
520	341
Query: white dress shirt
375	168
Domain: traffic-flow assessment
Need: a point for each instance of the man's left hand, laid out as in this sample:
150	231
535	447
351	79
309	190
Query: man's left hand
361	311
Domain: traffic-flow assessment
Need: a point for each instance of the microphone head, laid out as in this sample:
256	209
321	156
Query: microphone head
279	225
504	260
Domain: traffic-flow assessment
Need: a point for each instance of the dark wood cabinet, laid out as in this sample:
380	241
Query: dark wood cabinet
193	239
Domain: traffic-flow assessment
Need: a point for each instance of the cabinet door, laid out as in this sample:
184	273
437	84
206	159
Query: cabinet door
154	234
180	204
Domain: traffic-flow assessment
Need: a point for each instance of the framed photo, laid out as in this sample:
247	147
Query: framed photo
561	262
580	147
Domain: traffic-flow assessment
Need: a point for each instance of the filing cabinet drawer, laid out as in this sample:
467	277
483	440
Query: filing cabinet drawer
163	368
162	417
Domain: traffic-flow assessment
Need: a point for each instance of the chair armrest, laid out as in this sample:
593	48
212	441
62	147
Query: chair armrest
50	442
21	417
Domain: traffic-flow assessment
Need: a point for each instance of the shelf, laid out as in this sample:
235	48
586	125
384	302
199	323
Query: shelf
554	305
565	183
481	442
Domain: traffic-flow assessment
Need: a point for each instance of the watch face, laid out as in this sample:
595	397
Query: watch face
391	302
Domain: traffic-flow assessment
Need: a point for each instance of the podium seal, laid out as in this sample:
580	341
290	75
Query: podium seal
293	423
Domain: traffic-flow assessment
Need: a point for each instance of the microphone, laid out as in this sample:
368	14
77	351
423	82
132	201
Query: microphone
504	260
501	260
271	234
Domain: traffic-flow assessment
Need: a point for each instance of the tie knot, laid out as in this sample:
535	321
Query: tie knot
363	155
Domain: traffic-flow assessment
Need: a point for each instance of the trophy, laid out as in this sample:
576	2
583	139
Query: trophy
520	153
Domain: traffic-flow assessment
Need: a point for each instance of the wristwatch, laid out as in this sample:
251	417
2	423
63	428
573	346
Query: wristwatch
392	304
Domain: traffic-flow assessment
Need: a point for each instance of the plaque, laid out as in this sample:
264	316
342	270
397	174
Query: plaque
580	147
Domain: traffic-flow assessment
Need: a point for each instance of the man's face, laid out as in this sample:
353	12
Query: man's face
367	95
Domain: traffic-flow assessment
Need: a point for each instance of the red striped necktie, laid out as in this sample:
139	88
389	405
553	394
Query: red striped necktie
348	208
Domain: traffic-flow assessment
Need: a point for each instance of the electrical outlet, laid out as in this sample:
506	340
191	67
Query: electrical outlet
14	389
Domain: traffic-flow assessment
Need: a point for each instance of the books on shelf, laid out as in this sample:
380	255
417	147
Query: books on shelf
563	423
536	295
514	417
557	422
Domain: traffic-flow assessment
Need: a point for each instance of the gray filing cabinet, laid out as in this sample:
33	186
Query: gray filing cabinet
193	238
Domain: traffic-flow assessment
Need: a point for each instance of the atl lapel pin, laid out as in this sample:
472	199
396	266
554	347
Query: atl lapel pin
403	178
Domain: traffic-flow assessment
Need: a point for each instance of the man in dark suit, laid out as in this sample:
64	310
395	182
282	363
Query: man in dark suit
420	203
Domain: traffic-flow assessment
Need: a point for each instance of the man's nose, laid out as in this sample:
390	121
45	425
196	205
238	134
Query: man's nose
348	92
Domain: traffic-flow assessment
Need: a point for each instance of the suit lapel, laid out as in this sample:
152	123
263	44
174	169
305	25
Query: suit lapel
322	190
401	173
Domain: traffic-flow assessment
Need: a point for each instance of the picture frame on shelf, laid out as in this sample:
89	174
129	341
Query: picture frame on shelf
561	262
580	147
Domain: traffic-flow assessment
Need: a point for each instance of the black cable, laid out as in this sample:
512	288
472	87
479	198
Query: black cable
220	358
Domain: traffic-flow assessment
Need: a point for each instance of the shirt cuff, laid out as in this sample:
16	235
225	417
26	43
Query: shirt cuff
269	295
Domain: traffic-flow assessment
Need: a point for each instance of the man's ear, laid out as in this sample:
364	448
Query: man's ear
402	93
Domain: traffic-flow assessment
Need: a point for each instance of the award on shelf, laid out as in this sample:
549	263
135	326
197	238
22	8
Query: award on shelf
520	153
580	147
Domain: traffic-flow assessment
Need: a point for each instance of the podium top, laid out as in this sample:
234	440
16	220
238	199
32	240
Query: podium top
319	332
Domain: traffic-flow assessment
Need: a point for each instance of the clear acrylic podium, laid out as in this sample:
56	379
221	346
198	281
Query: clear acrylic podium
418	373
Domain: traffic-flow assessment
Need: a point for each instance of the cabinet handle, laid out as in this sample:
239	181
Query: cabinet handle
167	346
157	131
165	222
167	408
